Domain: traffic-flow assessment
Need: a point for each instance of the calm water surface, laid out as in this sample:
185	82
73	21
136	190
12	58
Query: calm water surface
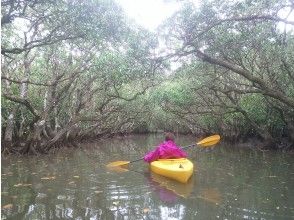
228	183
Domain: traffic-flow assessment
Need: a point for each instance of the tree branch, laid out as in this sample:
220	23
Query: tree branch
266	90
24	102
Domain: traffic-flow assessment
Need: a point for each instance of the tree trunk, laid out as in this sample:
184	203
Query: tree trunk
34	142
8	134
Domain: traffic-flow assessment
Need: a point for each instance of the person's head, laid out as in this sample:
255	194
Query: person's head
169	136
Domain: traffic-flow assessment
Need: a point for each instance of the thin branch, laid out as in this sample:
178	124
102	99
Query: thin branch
24	102
24	81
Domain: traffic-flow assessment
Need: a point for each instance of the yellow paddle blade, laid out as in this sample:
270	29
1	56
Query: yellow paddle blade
118	163
209	141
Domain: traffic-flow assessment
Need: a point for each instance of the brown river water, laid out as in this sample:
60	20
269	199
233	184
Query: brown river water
227	183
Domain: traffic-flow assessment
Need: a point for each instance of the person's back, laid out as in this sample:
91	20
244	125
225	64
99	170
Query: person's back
166	150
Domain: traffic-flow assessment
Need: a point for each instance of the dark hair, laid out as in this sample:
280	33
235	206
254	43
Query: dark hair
169	136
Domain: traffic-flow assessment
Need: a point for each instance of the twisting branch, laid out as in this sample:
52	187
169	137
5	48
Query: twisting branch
24	102
24	81
267	90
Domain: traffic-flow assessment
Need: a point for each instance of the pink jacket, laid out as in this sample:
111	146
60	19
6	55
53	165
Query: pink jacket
167	149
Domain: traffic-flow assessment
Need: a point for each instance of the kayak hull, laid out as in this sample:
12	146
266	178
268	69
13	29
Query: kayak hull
180	169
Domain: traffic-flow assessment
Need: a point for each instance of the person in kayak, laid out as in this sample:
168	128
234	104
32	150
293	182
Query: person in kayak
166	150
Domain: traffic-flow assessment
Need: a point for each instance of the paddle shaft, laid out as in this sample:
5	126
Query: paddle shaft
137	160
192	145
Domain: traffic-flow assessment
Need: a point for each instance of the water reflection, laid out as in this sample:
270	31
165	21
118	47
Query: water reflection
211	195
168	190
229	183
179	189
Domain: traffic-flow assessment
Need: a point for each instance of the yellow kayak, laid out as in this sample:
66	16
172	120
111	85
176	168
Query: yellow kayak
178	169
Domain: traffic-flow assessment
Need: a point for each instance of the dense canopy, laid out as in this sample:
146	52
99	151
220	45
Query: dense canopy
74	70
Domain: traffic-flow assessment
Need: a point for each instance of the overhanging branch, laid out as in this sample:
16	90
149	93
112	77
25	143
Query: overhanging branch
24	102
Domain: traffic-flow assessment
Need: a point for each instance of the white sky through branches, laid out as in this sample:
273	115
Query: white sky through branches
149	13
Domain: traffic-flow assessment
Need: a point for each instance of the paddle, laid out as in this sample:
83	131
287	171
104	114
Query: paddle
206	142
